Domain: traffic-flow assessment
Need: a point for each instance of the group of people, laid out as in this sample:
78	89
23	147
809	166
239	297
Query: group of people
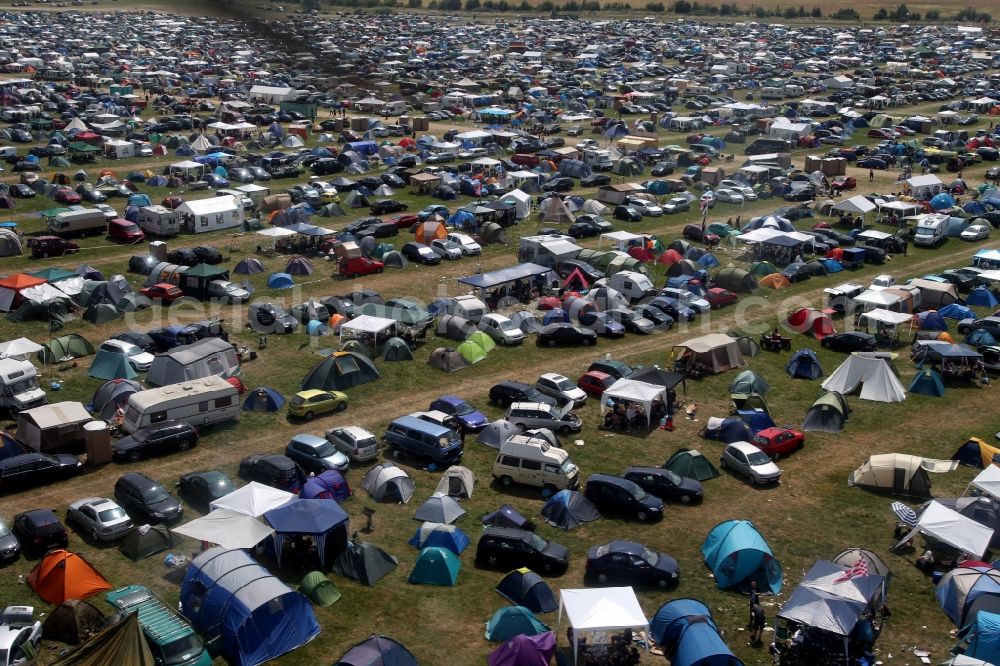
625	416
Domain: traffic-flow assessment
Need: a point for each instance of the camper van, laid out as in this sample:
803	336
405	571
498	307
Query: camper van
467	307
599	160
159	221
397	108
532	461
19	386
199	402
83	222
633	286
930	231
840	298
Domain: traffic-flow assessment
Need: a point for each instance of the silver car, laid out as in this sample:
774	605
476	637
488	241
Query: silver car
100	518
356	443
747	460
20	636
446	249
227	292
139	360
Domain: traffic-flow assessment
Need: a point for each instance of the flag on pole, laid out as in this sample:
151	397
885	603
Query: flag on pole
706	199
859	570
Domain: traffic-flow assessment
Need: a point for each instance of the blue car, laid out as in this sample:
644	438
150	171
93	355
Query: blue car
433	209
470	418
673	308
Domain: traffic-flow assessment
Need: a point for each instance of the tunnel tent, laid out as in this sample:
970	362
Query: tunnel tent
687	633
340	370
65	348
898	474
715	352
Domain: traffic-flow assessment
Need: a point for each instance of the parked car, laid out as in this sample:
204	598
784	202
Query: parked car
162	292
39	531
204	486
694	232
603	323
975	232
157	439
140	340
645	207
315	454
387	206
675	309
501	329
36	469
356	443
686	298
594	383
66	196
627	214
470	248
100	518
631	563
10	548
677	204
207	254
507	548
433	209
20	636
469	418
776	442
227	292
273	470
665	484
271	318
139	360
718	297
561	388
563	333
849	342
446	249
313	402
844	183
654	314
420	253
616	495
530	415
595	180
43	247
747	460
145	500
507	392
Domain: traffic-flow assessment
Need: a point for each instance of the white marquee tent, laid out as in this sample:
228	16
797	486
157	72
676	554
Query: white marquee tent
254	499
608	609
952	528
989	481
632	390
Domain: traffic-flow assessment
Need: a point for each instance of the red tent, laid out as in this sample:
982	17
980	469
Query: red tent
20	281
669	258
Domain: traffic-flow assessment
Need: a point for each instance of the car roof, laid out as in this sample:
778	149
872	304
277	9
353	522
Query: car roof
507	531
308	439
138	479
40	515
745	447
628	547
357	432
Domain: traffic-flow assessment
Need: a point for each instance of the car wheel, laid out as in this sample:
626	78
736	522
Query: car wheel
564	430
492	560
685	499
552	343
586	342
135	456
184	445
506	481
548	490
341	406
602	578
642	516
309	415
94	535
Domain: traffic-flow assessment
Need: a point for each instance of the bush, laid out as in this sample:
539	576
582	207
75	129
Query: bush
655	7
816	12
846	14
471	5
881	14
933	15
681	7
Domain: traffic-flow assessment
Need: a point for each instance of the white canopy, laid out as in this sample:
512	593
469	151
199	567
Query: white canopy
877	298
989	481
254	499
856	204
620	239
19	348
887	317
275	232
874	234
952	528
633	390
227	528
601	609
367	324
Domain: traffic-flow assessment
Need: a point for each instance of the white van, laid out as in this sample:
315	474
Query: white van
532	461
633	286
19	386
199	402
930	231
396	108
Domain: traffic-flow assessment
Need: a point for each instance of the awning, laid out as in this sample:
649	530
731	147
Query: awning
952	528
226	528
504	276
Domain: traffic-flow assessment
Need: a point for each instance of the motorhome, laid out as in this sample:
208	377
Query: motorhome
200	402
930	231
840	298
546	250
531	461
599	160
19	386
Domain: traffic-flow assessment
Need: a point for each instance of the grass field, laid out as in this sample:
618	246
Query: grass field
811	515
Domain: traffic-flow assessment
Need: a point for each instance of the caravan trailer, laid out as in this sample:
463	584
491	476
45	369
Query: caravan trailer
200	402
159	221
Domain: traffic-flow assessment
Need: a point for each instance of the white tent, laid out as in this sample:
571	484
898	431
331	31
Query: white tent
989	481
877	381
595	207
619	239
227	528
19	348
855	204
202	144
952	528
600	611
254	499
632	390
520	200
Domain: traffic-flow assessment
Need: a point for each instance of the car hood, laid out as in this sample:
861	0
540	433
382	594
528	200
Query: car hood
144	358
690	485
667	564
767	469
556	551
473	419
166	506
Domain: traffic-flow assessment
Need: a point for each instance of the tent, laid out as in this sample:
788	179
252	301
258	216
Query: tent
949	526
827	414
737	553
387	483
511	621
440	535
73	621
956	311
340	370
254	499
111	396
439	508
321	519
895	473
526	321
205	358
851	556
62	575
396	349
457	482
146	540
330	484
435	566
984	510
524	587
377	651
448	360
810	321
497	432
736	279
727	430
65	348
249	266
983	636
521	650
981	297
19	348
109	365
825	599
568	509
804	365
604	610
263	399
455	327
748	381
692	464
927	382
226	528
964	592
470	352
226	594
977	453
507	516
636	392
365	563
715	352
122	644
319	589
688	635
872	373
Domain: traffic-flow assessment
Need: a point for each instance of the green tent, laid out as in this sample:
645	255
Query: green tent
146	540
108	365
827	413
435	566
65	348
761	268
510	621
748	381
471	352
321	590
82	147
396	349
340	370
53	274
927	382
626	166
749	401
101	313
692	464
483	340
356	347
53	311
736	279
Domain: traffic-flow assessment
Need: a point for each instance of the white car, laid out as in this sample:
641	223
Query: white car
685	297
472	154
561	388
100	518
747	460
227	292
501	329
139	360
446	249
20	636
323	187
586	144
741	188
646	208
729	196
470	248
975	232
109	212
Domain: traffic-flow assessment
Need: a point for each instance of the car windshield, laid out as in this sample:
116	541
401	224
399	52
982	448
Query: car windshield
537	542
507	325
181	650
564	384
325	450
650	556
153	495
463	408
758	458
4	530
111	514
298	400
133	351
568	468
672	477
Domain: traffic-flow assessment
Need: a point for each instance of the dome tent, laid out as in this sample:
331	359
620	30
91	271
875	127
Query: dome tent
72	621
736	553
62	575
524	587
387	483
377	651
340	370
804	365
396	349
692	464
111	396
568	509
263	399
435	566
512	621
365	563
441	536
330	484
687	633
827	414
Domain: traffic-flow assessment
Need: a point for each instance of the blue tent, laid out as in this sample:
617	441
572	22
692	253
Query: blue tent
927	382
956	311
461	219
508	516
931	320
684	628
512	621
279	281
139	200
568	509
974	207
226	594
804	365
756	419
524	587
378	651
980	338
984	637
554	316
708	261
436	566
316	327
736	553
942	201
440	535
263	399
832	265
981	297
727	430
966	591
321	519
331	484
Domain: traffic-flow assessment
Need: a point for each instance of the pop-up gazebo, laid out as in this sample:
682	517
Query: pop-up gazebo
607	609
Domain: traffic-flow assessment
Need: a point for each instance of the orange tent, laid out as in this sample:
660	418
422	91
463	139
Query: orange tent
774	281
430	230
62	575
20	281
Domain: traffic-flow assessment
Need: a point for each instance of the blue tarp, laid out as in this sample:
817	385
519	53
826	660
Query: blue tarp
956	311
736	553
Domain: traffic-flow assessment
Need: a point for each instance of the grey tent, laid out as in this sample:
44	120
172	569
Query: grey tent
365	563
748	346
355	199
852	556
101	313
446	359
393	259
396	349
491	233
340	370
895	474
455	327
496	433
457	482
146	540
204	358
526	321
111	396
568	509
73	621
827	414
10	244
387	483
439	508
575	168
331	210
356	347
736	279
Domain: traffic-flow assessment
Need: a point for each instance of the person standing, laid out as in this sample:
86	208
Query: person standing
871	175
758	620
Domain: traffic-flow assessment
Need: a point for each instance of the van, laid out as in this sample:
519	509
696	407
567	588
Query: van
526	160
171	639
19	386
542	415
81	222
123	230
201	402
417	437
532	461
930	231
841	297
396	108
467	307
633	286
353	266
501	329
43	247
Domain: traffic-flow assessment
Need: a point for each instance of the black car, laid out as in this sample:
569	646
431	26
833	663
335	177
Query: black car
558	184
145	500
801	194
271	318
392	180
797	272
507	392
273	470
36	469
665	484
326	166
22	191
205	486
10	549
183	257
379	230
961	281
673	308
595	180
662	169
259	173
584	230
563	333
287	171
506	548
39	531
843	240
655	315
613	494
631	563
849	342
387	206
627	213
157	439
207	254
420	253
357	226
241	175
90	194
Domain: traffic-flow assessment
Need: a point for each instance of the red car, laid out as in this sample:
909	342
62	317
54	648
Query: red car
403	220
166	293
594	383
694	232
844	182
778	441
67	196
882	134
718	297
51	246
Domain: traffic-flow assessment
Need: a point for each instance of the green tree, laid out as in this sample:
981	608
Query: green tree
816	12
471	5
881	14
681	7
655	7
933	15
